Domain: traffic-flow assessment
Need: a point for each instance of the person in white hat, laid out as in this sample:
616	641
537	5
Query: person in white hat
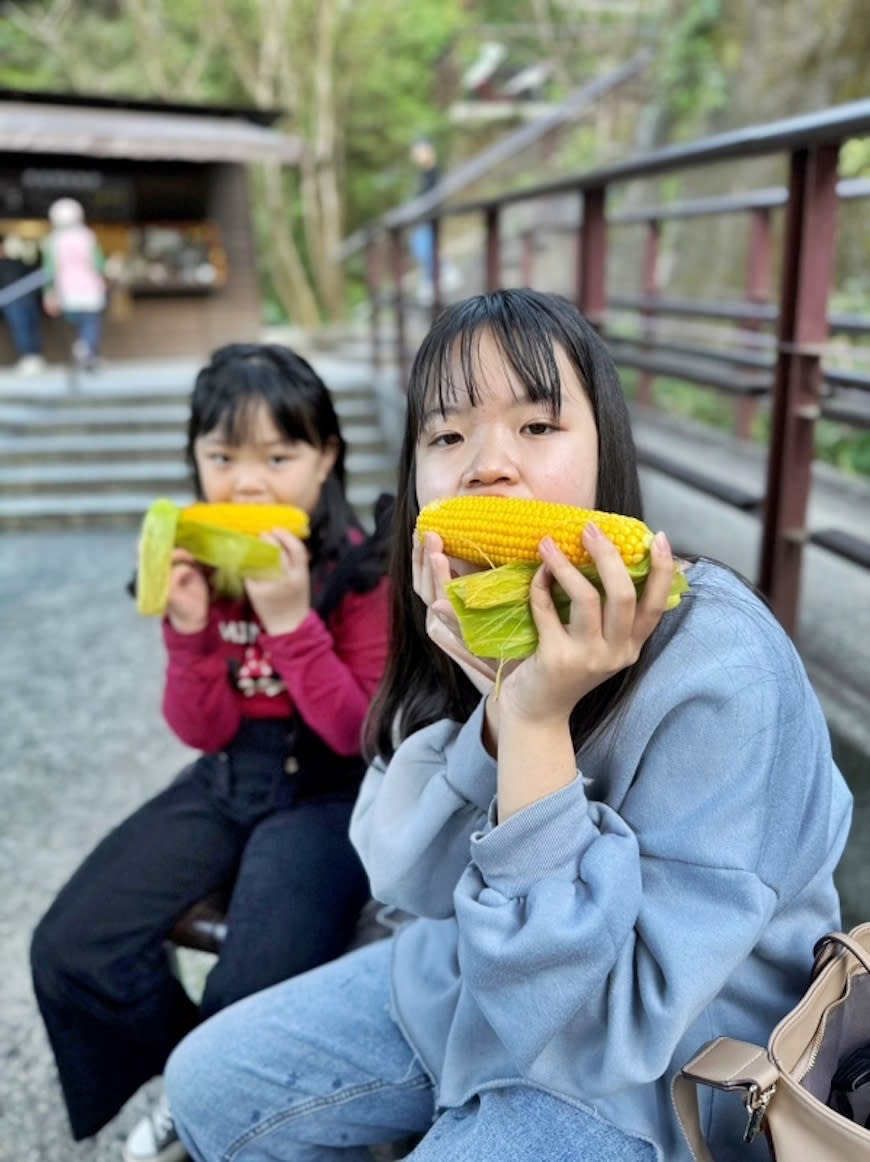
76	288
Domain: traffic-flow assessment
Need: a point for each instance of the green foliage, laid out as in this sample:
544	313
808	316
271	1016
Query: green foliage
690	68
855	158
387	67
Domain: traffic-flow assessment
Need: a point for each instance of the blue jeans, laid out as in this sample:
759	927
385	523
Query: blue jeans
316	1068
423	249
24	319
112	1008
89	328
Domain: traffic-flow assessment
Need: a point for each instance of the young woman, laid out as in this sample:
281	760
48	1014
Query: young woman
273	687
625	853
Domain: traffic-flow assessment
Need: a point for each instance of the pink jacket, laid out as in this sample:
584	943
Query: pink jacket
73	258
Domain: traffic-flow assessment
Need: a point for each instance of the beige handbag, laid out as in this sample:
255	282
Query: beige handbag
786	1086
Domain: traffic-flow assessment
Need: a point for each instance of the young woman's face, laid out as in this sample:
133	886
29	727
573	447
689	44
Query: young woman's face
266	468
506	445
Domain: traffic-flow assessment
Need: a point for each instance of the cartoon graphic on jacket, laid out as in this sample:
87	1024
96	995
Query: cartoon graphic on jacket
325	672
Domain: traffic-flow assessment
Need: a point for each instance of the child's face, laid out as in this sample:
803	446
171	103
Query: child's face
507	445
266	468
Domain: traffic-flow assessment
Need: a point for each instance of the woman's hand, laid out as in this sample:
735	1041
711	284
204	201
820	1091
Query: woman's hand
431	572
189	597
603	635
282	605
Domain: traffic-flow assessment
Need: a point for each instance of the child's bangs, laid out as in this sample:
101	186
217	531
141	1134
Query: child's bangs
256	384
450	364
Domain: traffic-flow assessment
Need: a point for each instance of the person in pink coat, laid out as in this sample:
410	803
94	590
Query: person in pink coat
76	288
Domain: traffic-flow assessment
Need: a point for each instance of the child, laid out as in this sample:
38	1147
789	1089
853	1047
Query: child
627	852
273	687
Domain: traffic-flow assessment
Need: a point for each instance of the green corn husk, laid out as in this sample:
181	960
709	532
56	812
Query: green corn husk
493	610
156	542
235	557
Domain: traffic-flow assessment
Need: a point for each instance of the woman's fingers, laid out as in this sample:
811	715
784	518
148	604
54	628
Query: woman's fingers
430	569
618	616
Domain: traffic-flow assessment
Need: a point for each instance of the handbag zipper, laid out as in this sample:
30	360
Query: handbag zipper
756	1102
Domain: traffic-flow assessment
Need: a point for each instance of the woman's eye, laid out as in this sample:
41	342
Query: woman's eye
444	439
219	458
541	427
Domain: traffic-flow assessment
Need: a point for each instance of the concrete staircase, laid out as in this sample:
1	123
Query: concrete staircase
96	451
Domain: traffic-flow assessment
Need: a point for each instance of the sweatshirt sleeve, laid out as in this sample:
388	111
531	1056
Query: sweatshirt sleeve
413	820
631	917
332	671
198	700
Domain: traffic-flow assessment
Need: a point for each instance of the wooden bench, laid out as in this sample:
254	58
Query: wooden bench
203	927
724	490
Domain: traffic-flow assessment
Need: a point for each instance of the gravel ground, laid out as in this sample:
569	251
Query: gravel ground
82	743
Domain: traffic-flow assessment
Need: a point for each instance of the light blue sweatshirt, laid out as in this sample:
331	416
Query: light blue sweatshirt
671	893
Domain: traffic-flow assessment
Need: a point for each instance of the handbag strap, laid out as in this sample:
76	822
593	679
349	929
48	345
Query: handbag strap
724	1064
824	946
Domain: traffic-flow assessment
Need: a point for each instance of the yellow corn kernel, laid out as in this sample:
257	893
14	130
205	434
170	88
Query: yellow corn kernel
251	519
499	530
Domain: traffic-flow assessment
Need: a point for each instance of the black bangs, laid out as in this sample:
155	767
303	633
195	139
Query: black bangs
448	361
243	376
235	393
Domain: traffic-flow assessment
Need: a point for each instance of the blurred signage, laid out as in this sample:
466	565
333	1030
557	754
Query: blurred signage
28	193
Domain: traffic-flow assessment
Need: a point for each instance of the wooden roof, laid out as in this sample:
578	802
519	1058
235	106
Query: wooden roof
136	133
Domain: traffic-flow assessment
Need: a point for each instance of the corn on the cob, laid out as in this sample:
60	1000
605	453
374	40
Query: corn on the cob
252	519
504	532
500	530
224	536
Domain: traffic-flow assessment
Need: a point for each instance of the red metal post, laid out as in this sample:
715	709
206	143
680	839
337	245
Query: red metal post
650	290
374	291
808	255
397	254
758	269
493	250
592	264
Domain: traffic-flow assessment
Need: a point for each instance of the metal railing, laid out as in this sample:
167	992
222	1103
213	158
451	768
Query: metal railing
783	363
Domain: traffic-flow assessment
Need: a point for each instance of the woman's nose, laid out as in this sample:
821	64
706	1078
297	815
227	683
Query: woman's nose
491	463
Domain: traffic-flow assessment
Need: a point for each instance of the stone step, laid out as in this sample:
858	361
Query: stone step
157	475
60	447
62	417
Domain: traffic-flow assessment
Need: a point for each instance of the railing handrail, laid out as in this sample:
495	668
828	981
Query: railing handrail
801	390
22	286
827	127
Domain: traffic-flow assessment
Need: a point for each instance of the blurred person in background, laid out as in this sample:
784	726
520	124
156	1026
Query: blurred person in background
76	288
425	158
22	313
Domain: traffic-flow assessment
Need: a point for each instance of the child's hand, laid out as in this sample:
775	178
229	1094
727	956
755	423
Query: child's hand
602	636
431	572
189	597
283	605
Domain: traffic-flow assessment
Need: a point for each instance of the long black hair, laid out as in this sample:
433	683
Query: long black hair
238	379
421	684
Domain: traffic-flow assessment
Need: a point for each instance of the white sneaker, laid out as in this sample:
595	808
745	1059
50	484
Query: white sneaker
30	365
154	1137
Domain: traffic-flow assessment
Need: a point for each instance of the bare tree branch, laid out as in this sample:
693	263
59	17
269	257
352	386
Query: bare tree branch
146	18
285	266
